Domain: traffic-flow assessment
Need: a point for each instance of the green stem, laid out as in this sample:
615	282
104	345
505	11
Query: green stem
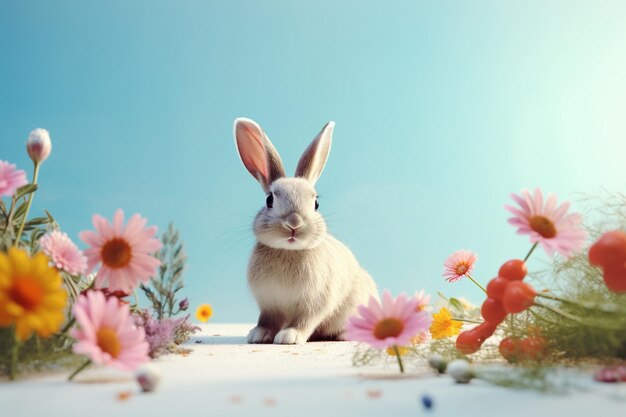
476	282
587	306
30	203
561	313
68	326
531	251
10	215
14	353
76	372
395	349
467	321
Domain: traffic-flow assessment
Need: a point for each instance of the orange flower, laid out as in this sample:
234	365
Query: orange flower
31	294
204	312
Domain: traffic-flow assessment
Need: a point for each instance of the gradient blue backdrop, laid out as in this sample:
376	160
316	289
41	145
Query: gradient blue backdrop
442	110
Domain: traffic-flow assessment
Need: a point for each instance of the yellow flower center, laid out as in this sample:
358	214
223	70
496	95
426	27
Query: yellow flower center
389	327
543	226
27	293
116	253
461	269
108	341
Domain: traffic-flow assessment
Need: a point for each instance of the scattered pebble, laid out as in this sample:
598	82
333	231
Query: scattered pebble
148	377
427	401
198	341
460	370
236	399
124	395
374	393
611	374
437	362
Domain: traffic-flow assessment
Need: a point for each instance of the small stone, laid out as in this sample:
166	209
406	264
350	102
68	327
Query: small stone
374	393
427	401
460	370
149	378
437	362
124	395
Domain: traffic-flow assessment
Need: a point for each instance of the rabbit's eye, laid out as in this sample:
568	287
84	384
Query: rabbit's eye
270	201
317	203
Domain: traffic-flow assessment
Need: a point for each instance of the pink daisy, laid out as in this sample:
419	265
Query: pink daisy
394	322
549	225
423	300
125	252
459	264
107	333
63	253
10	179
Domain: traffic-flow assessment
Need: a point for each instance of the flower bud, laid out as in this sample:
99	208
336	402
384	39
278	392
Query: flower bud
38	145
184	304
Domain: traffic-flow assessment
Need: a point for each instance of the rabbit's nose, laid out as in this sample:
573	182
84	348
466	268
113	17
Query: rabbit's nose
294	221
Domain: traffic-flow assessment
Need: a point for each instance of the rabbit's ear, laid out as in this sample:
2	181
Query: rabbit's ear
312	161
257	153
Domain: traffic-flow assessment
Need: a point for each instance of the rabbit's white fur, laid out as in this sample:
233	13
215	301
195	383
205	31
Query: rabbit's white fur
305	281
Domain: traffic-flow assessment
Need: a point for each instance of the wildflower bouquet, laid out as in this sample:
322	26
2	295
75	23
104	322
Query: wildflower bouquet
56	299
578	315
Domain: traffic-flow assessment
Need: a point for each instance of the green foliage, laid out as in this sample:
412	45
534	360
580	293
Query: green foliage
163	288
582	319
36	354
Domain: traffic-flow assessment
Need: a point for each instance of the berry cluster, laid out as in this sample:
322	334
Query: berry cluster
609	253
506	293
530	348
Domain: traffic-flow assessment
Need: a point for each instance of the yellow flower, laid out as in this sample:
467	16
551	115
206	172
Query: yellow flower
32	297
204	312
443	325
402	350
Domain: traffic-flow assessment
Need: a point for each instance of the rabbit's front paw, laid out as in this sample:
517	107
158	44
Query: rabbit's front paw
260	335
289	336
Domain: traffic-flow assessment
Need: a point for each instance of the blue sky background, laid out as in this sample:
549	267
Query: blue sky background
442	110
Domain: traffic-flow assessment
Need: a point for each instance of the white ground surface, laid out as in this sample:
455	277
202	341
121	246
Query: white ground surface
223	376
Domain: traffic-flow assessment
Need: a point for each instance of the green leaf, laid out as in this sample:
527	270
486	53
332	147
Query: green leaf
37	221
456	304
20	211
50	218
24	190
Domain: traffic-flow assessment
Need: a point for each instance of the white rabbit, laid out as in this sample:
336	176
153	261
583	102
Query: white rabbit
305	281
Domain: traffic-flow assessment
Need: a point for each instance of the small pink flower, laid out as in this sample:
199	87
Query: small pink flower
394	322
548	225
423	300
107	333
125	252
63	253
38	145
10	179
459	264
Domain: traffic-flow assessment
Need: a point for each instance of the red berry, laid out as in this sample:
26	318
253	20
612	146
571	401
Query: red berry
493	311
514	270
496	287
468	342
615	277
485	330
533	348
510	349
518	296
610	249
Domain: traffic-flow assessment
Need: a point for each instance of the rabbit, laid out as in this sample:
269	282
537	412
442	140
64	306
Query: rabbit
306	283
